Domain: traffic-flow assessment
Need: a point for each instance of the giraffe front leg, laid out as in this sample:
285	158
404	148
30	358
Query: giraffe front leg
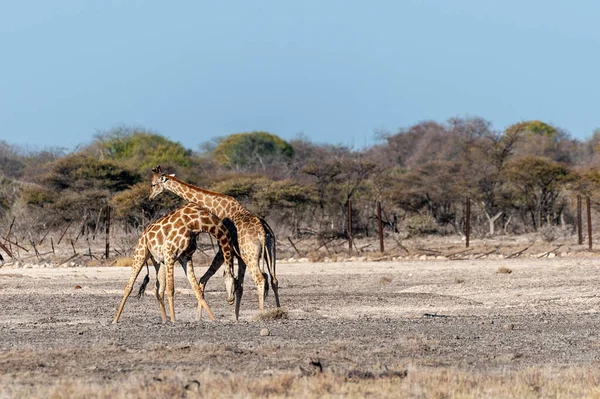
170	286
214	266
199	294
161	283
135	270
239	290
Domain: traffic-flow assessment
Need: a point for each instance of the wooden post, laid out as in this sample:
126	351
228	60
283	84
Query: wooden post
589	222
349	226
294	246
380	226
6	250
64	232
9	231
468	220
579	222
107	252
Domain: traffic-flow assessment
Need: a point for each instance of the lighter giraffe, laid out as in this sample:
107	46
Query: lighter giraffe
173	237
252	236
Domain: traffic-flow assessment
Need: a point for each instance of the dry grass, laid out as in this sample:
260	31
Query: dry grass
123	261
273	314
316	256
412	383
385	280
504	270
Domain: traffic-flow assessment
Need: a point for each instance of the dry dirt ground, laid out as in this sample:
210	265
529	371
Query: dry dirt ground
355	319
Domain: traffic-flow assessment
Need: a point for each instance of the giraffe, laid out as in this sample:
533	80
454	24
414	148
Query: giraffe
173	237
252	236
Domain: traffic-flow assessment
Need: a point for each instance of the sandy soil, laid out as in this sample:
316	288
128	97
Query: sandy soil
56	323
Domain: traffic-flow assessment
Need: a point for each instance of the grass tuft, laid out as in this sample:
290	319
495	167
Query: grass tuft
124	261
504	270
273	314
385	280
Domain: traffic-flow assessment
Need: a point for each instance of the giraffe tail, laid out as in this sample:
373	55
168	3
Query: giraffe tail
268	254
142	289
269	249
266	283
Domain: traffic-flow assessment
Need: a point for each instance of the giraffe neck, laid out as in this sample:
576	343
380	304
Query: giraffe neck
223	206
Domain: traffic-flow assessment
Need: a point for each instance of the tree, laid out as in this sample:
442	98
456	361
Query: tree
541	139
431	189
12	161
77	184
537	184
252	151
79	172
130	203
139	149
489	156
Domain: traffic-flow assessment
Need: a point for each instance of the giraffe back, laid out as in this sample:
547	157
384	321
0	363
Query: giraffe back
179	228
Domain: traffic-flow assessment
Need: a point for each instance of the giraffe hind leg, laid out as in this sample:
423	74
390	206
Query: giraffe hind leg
259	280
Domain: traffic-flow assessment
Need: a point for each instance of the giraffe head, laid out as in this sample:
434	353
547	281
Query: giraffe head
158	181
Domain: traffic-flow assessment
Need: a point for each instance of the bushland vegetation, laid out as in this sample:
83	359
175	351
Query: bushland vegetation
520	180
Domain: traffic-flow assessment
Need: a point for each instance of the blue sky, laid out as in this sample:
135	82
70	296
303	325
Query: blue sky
334	71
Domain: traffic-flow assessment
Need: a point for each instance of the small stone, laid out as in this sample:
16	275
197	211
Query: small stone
265	332
508	327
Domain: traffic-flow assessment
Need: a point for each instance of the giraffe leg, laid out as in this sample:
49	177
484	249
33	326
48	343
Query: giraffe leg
239	291
161	282
199	294
230	282
145	282
135	270
258	277
170	286
214	266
